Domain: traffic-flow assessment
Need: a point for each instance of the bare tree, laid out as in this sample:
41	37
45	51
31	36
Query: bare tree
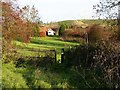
30	14
107	9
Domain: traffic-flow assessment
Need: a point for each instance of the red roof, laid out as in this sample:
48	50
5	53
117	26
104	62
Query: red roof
43	28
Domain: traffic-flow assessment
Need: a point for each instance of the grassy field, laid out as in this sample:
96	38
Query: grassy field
46	76
52	43
44	43
55	76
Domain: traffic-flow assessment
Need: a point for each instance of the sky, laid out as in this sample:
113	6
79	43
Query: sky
59	10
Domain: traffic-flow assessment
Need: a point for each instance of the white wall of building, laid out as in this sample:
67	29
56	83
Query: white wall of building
50	32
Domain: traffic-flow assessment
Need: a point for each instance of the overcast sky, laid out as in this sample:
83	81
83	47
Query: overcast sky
58	10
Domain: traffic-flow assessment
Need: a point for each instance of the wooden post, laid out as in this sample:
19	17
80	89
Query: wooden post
55	56
62	55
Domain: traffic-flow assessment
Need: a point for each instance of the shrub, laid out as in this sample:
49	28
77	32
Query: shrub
78	56
118	33
61	30
95	33
107	58
73	35
9	53
100	58
36	31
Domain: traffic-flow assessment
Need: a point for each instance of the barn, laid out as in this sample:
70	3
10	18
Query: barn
44	30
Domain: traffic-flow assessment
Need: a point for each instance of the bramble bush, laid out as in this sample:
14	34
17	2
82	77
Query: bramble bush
107	59
101	58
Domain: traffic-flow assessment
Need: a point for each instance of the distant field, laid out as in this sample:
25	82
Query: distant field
86	21
93	21
43	43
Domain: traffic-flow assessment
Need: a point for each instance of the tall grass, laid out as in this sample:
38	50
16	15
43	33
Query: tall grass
11	78
55	76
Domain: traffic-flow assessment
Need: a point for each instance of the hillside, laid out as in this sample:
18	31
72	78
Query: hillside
86	21
92	21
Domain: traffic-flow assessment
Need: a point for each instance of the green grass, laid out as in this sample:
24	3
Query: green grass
56	75
44	43
52	43
11	78
44	77
51	76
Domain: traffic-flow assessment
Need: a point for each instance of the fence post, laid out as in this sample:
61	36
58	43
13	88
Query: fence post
55	56
62	55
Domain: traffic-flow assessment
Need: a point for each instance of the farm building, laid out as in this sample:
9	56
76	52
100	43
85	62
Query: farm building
46	31
43	31
50	32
